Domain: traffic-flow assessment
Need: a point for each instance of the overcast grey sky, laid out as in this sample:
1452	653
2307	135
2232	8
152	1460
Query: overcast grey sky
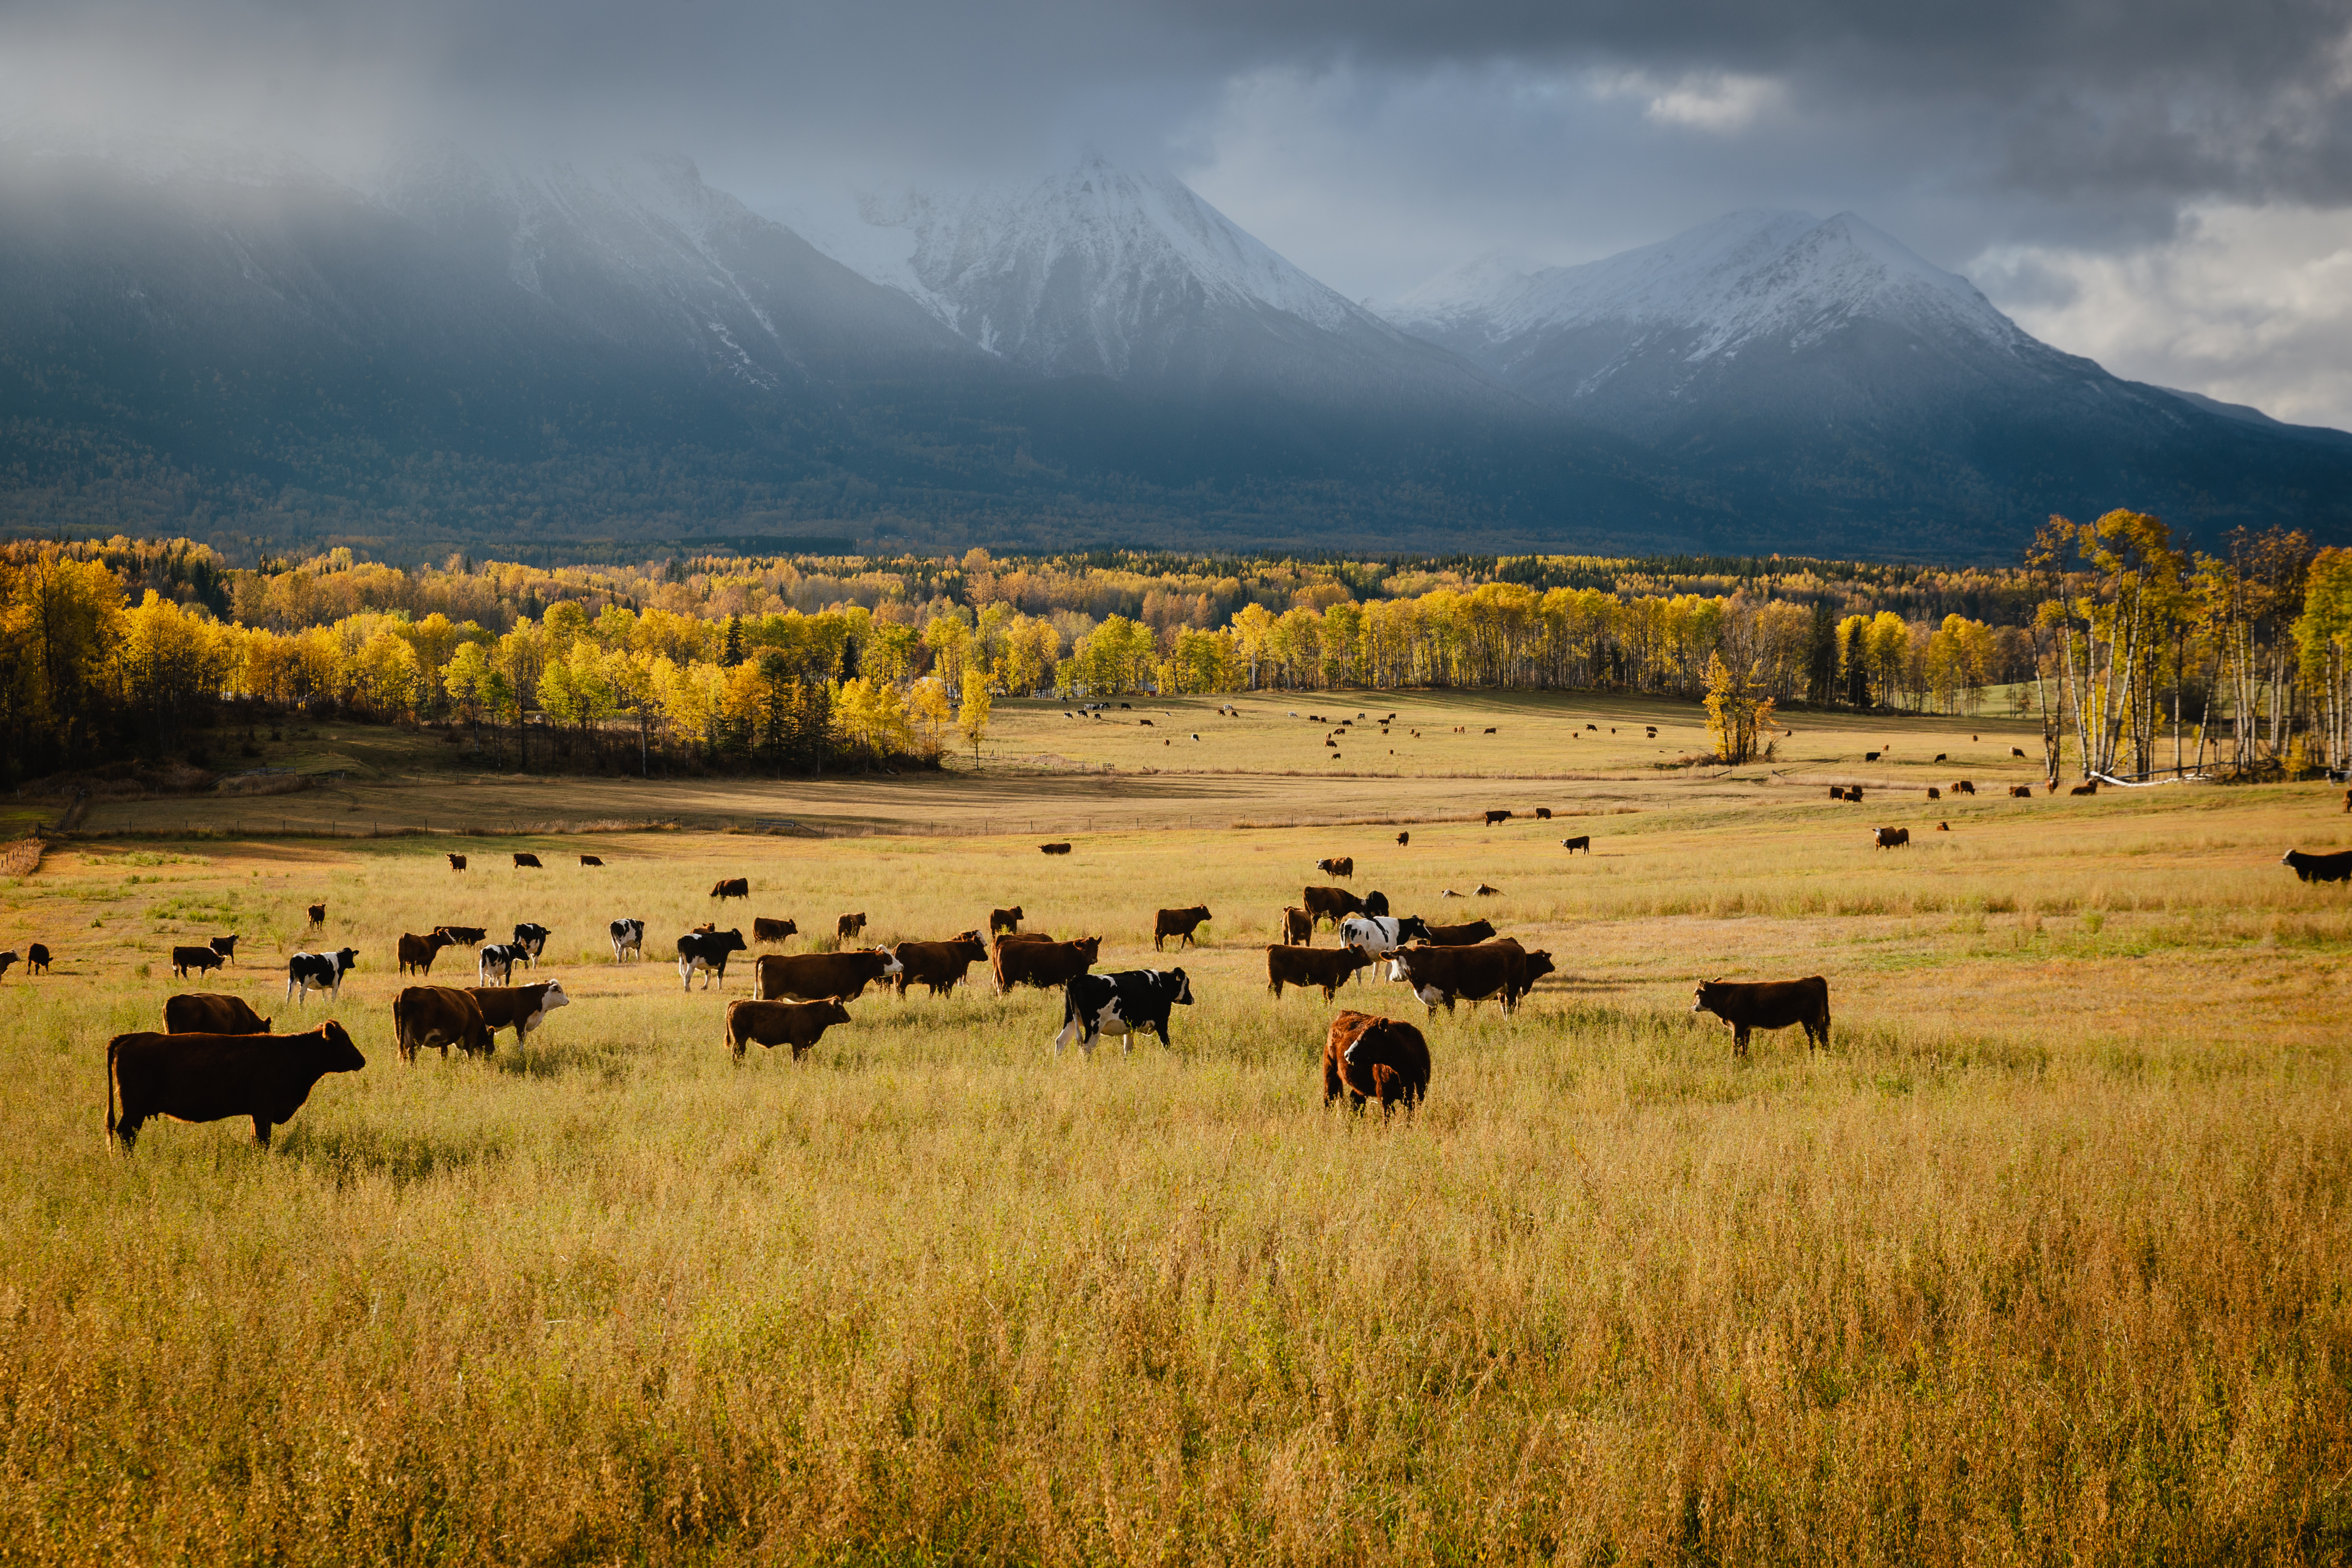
2164	185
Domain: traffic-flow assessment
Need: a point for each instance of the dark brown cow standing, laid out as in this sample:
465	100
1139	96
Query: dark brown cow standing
2017	751
527	862
225	946
211	1013
1581	841
1179	923
1767	1005
417	953
800	1025
438	1016
766	930
468	935
1002	920
1964	786
940	965
1444	976
1466	935
210	1078
1495	816
1328	968
457	862
2020	792
1375	1058
1341	865
317	914
1405	838
37	959
1543	814
1935	793
1045	964
847	926
1333	904
592	861
731	887
1299	927
1890	838
1052	848
200	959
2335	868
817	976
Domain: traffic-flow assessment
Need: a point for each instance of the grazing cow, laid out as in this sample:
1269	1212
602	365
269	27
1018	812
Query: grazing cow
731	888
765	930
1179	923
1486	891
1297	926
2335	867
1964	786
820	976
706	950
591	860
417	953
2090	788
1943	827
1890	838
2017	751
1405	838
1935	793
498	961
1376	902
1333	904
1870	756
847	926
317	914
199	959
628	937
1495	816
457	862
1377	936
1375	1058
208	1078
211	1013
441	1016
1490	729
521	1009
6	959
465	936
527	862
1002	920
800	1025
2020	792
1855	794
1328	968
1767	1005
1342	867
1045	964
1581	841
225	946
1052	848
36	960
940	965
1940	757
1543	814
1469	934
532	939
1127	1004
1444	976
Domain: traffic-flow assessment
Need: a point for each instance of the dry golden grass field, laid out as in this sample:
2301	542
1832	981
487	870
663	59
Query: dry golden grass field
2048	1260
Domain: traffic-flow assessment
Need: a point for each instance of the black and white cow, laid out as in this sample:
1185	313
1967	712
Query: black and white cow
498	959
1378	936
532	939
1128	1003
309	972
706	950
628	937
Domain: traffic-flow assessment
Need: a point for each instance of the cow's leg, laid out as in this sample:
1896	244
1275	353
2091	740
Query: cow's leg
261	1129
1739	1041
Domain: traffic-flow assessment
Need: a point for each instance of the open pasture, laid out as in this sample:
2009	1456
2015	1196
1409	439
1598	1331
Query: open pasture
2047	1259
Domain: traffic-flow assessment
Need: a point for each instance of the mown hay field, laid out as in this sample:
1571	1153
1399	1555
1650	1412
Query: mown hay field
2045	1259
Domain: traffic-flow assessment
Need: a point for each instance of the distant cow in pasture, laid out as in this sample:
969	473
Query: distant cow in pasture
1045	964
1297	926
525	862
438	1016
1052	848
1128	1004
731	887
1940	757
1178	923
2335	868
317	914
417	953
1495	816
1543	814
1328	968
800	1025
764	930
940	965
464	936
1943	827
706	950
592	861
210	1078
2088	787
1890	838
628	937
2017	751
1837	792
1002	920
2020	792
225	946
1581	841
457	862
199	959
211	1013
521	1009
37	959
1489	730
1855	794
1405	838
1468	935
1342	867
1486	890
1745	1006
846	927
1935	793
1964	786
1333	904
820	976
1870	756
6	959
1368	1059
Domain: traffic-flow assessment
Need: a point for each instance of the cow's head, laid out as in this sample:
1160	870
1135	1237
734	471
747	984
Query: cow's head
1539	965
1413	926
337	1053
347	956
1179	989
1089	947
829	1014
891	964
552	997
1703	999
2287	859
731	941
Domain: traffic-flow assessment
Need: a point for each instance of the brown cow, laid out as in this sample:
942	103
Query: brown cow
1328	968
1405	838
1299	927
1045	964
1334	904
592	861
1002	920
1890	838
37	959
1543	814
1466	935
1342	867
1964	786
225	946
1767	1005
1052	848
457	862
2089	787
1495	816
521	1009
525	862
1375	1058
1935	793
731	887
208	1078
800	1025
199	959
766	930
820	976
847	926
2020	792
1446	975
1486	890
2017	751
1837	792
1181	923
211	1013
940	965
1581	841
317	914
465	935
418	952
439	1015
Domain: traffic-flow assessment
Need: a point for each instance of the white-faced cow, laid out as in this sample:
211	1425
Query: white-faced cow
309	972
628	937
1125	1003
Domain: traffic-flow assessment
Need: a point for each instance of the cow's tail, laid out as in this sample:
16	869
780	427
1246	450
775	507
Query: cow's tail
112	1048
400	1038
1069	1021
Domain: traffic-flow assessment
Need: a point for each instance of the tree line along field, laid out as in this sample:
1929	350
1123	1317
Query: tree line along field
2045	1259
